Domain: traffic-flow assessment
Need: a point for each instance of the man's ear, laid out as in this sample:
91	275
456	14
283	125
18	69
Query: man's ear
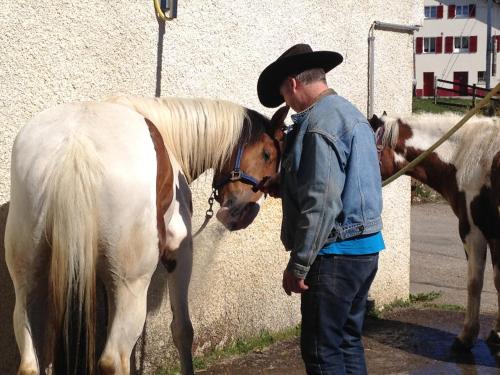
278	122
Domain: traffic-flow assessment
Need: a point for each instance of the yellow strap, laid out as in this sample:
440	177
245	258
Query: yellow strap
159	12
483	103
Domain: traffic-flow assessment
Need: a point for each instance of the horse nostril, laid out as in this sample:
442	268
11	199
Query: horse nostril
229	202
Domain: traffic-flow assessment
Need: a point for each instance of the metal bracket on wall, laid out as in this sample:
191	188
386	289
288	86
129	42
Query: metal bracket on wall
166	10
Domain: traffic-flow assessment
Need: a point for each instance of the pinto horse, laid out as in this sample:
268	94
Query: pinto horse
99	190
465	170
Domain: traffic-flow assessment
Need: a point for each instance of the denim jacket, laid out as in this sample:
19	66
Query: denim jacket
330	180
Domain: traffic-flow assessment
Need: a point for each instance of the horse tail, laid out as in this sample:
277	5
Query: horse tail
71	228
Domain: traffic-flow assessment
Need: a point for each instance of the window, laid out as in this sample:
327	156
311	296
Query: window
480	76
430	12
429	45
461	44
462	11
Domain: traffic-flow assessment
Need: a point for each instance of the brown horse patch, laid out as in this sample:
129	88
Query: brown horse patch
164	184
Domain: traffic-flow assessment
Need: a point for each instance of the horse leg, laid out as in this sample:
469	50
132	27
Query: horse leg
126	282
494	244
178	283
475	248
127	308
22	330
20	263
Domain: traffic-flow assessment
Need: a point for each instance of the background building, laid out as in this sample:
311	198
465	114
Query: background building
66	50
451	45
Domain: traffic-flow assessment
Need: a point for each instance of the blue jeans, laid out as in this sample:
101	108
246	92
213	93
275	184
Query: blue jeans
333	310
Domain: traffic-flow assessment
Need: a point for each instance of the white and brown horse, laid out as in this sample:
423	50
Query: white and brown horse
465	170
99	190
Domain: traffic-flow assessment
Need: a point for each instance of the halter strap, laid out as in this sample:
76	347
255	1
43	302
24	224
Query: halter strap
237	174
379	135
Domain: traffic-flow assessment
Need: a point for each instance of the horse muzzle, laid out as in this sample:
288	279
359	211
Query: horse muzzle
236	217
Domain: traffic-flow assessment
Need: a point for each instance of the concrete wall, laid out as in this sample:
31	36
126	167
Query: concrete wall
443	65
60	51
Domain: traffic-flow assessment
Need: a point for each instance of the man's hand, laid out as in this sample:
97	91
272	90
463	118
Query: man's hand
291	283
270	185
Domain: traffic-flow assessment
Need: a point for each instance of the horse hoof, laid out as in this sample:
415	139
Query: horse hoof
107	366
493	339
28	370
460	347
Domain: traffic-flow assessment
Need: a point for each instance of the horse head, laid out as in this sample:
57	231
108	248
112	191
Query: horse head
389	145
256	157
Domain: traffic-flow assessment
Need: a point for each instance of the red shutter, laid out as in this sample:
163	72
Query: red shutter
498	42
451	11
439	44
472	10
448	44
473	44
440	11
420	45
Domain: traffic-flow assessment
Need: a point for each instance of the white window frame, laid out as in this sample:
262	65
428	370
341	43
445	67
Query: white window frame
462	11
461	44
429	45
430	12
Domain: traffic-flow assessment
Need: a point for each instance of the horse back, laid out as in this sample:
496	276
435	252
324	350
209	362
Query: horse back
136	175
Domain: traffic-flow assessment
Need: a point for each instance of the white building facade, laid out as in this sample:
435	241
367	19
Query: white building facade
452	46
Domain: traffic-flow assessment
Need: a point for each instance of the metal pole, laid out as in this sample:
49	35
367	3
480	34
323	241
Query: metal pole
371	54
371	69
488	45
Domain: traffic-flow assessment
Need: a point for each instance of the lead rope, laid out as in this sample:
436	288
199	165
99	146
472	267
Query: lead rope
208	214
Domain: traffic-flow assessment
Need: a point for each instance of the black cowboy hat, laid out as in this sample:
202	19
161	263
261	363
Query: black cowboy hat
295	60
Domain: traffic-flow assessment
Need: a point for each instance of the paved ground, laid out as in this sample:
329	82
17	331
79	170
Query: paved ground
407	341
438	259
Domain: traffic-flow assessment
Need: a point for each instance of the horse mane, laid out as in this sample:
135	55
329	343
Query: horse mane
391	132
200	133
471	146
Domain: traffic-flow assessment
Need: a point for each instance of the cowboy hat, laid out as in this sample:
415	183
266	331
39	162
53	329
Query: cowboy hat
295	60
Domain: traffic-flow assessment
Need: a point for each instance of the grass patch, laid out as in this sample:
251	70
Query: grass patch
412	300
424	297
443	105
421	193
238	347
445	306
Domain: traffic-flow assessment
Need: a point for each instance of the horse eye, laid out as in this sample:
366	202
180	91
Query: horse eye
266	156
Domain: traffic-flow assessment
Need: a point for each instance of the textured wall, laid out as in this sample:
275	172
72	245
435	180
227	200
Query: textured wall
60	51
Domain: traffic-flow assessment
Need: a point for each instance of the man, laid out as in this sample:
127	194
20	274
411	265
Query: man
331	194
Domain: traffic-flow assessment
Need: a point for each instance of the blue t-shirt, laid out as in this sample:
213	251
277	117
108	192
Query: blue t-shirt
371	243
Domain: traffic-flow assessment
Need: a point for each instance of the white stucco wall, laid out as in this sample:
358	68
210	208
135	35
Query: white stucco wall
61	51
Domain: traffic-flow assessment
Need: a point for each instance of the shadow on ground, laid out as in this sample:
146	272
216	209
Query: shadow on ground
419	341
407	341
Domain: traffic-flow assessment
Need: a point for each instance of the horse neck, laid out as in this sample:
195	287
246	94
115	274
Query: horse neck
200	134
433	171
199	156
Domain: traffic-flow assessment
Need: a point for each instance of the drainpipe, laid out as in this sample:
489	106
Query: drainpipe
371	53
489	49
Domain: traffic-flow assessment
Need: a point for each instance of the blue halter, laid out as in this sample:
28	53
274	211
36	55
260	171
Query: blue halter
237	174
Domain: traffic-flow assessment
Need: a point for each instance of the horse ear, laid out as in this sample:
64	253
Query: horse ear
375	122
384	114
278	122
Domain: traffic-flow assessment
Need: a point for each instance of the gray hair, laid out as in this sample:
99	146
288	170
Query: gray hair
311	75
